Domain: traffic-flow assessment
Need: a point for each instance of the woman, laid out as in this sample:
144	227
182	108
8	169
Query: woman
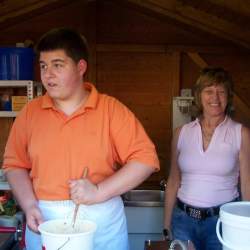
208	157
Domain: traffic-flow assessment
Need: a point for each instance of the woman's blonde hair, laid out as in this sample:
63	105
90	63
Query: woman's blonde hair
211	76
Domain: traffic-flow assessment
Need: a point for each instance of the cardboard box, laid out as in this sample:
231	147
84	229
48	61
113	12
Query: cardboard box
17	102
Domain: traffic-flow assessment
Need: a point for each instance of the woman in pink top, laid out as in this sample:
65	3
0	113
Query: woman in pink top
209	156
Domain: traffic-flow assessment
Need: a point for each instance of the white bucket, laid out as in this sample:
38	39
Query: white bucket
235	219
60	235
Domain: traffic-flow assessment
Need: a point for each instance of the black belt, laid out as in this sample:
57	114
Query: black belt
196	212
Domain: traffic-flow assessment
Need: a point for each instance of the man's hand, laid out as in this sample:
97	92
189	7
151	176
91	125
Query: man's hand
33	217
25	196
84	192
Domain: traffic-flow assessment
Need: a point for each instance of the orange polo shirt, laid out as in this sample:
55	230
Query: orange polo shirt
56	147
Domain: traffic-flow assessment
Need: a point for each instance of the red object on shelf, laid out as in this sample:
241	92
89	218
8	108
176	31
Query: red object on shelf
8	229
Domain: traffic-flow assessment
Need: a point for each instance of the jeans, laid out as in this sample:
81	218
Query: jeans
201	232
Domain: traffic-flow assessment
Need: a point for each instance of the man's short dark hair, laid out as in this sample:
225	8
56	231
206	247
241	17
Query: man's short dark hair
71	41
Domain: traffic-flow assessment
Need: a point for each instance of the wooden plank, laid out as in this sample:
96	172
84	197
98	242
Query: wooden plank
176	69
225	50
134	68
5	126
143	99
90	28
153	117
131	86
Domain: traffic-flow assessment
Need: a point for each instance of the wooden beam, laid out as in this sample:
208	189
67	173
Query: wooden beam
12	9
198	60
12	12
243	108
165	48
131	48
199	19
240	6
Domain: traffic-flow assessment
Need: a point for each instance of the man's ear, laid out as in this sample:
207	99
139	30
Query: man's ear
82	66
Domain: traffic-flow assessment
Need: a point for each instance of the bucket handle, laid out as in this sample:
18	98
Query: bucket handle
219	235
63	245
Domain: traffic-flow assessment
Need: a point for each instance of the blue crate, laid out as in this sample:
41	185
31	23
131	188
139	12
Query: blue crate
16	63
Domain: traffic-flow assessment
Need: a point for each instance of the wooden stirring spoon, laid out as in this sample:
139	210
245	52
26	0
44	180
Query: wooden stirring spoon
85	173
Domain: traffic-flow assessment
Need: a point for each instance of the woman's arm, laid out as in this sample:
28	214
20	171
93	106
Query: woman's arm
173	181
244	158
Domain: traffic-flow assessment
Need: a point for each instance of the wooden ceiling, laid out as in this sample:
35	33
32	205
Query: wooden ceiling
227	19
12	11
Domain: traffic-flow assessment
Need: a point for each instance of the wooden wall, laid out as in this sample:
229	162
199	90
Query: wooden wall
140	58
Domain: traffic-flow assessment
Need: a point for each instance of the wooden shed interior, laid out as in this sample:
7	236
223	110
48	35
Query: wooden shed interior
144	52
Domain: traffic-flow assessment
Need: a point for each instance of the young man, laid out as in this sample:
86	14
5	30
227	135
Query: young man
71	128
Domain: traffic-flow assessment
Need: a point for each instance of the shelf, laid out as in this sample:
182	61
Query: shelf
184	98
30	86
8	114
15	83
4	185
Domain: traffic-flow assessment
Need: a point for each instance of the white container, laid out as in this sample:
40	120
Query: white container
235	220
59	234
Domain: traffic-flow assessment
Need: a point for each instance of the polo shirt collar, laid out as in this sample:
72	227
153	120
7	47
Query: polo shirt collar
93	96
91	102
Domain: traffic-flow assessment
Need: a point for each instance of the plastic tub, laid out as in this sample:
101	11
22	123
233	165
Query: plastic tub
235	220
59	234
16	63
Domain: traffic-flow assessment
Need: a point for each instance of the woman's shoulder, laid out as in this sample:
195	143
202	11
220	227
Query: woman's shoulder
234	126
185	131
190	125
232	122
186	128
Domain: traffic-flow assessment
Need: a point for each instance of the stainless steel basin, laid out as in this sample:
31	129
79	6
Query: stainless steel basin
144	198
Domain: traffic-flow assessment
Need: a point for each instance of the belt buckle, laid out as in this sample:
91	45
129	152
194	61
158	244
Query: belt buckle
195	213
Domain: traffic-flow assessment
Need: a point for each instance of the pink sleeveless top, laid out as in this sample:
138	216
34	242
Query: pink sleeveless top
209	178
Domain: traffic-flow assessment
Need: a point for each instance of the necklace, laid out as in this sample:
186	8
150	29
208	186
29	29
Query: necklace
207	134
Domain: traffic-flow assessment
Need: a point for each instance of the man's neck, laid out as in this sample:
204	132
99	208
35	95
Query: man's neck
68	107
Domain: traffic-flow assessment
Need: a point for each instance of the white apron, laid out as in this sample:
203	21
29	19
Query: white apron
111	233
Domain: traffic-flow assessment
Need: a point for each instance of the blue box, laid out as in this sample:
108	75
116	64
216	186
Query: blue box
16	63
